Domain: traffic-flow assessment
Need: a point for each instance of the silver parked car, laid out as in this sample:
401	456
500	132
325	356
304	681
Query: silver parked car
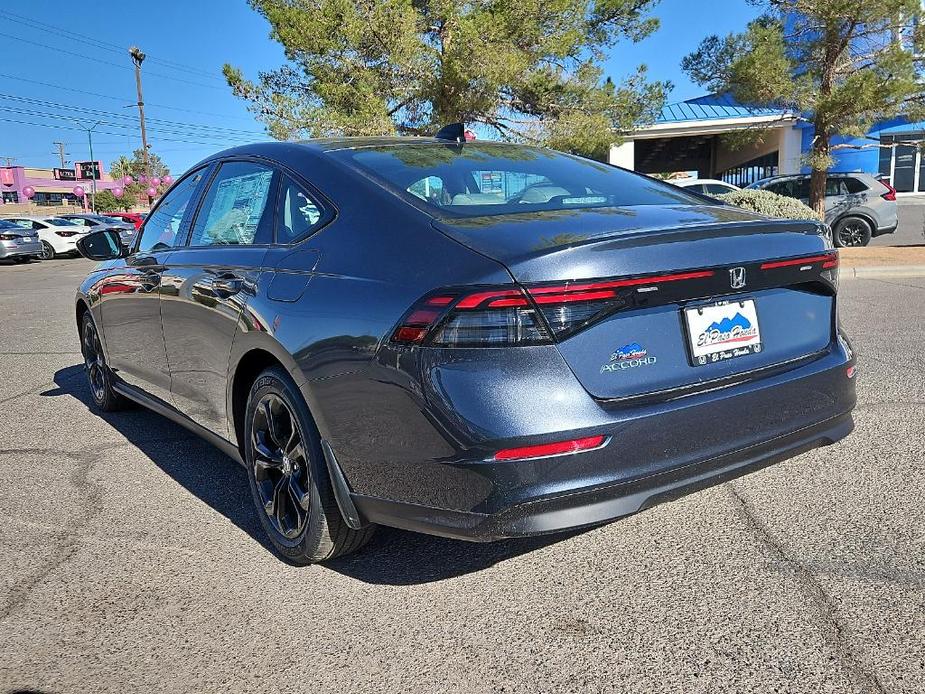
18	244
857	205
99	222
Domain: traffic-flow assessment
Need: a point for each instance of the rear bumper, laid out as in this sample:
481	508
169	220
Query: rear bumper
655	451
31	250
889	229
602	504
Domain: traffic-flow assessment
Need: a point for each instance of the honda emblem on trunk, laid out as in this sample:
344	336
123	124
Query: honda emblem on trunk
737	277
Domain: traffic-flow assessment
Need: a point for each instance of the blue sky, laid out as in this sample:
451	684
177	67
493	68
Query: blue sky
54	78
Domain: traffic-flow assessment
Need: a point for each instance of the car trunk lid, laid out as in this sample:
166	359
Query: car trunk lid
648	300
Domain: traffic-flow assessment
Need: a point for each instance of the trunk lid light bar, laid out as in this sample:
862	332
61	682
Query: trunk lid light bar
541	314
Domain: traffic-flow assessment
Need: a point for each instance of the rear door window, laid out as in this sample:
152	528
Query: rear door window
835	187
236	210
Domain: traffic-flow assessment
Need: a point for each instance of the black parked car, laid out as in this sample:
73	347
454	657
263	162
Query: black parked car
475	340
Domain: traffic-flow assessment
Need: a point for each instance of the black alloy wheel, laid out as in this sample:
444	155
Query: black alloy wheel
48	253
288	475
852	232
98	374
281	469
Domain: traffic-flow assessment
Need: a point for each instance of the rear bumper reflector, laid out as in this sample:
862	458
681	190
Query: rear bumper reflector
544	449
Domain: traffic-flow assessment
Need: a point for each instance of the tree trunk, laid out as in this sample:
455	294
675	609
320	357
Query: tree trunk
817	177
817	191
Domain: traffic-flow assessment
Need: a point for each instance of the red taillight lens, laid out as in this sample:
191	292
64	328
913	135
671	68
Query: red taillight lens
66	234
493	317
890	193
9	237
544	449
569	306
828	260
504	316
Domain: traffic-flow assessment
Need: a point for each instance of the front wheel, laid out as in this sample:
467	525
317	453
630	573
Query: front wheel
851	232
288	476
98	373
48	253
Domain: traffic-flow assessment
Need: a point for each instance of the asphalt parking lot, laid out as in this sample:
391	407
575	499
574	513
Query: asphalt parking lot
911	229
130	559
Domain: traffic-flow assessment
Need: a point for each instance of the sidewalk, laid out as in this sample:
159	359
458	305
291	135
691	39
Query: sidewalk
873	262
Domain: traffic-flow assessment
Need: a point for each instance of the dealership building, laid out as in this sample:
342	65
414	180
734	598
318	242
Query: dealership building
705	135
50	186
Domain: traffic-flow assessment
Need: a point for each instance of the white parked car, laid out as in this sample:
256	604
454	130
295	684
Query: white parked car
58	236
706	186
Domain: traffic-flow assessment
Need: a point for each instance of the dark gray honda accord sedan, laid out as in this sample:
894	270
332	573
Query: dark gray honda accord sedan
476	340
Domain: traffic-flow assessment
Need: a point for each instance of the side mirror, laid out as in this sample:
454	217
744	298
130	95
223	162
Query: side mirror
101	245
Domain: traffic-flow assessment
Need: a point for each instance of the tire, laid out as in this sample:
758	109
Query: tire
288	476
99	375
48	253
850	232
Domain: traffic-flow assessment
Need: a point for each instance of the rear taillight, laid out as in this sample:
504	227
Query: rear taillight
890	193
533	315
66	234
482	318
9	237
827	261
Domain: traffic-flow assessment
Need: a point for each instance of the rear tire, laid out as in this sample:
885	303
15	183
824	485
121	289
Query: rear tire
48	253
99	375
851	232
288	476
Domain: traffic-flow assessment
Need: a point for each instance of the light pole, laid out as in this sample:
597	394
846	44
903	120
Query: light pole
138	58
93	170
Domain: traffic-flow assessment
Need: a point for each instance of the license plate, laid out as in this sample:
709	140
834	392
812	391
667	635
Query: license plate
724	330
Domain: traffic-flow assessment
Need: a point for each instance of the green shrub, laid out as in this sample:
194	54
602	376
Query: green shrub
769	204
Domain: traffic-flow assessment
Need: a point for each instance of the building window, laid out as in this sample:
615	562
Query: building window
751	171
10	196
902	163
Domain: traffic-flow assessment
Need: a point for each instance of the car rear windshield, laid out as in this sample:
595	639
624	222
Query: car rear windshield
61	222
473	180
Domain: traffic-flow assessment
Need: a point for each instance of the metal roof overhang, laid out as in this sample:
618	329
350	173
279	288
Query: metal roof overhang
711	126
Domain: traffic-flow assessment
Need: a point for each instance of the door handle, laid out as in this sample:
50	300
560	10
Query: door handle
226	285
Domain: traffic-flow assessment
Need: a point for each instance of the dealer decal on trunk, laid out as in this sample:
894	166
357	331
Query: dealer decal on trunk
629	356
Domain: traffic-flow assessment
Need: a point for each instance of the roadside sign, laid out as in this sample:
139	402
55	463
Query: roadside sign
87	169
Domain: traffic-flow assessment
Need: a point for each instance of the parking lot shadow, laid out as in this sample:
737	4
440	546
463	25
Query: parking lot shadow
393	557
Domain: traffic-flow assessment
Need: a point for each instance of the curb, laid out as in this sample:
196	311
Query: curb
873	272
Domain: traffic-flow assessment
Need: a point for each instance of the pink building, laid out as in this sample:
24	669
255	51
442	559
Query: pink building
51	186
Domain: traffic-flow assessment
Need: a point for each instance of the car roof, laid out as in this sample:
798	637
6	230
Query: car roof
288	150
691	181
830	174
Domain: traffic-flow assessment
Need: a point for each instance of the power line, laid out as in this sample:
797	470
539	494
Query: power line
128	126
106	62
99	44
32	101
119	99
58	126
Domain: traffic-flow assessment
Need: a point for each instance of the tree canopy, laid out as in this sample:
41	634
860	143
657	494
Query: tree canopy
846	63
525	70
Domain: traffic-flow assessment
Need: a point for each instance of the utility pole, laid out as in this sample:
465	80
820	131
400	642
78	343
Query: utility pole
61	154
93	169
138	58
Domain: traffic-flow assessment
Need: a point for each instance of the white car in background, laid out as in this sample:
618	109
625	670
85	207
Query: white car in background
58	236
706	186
